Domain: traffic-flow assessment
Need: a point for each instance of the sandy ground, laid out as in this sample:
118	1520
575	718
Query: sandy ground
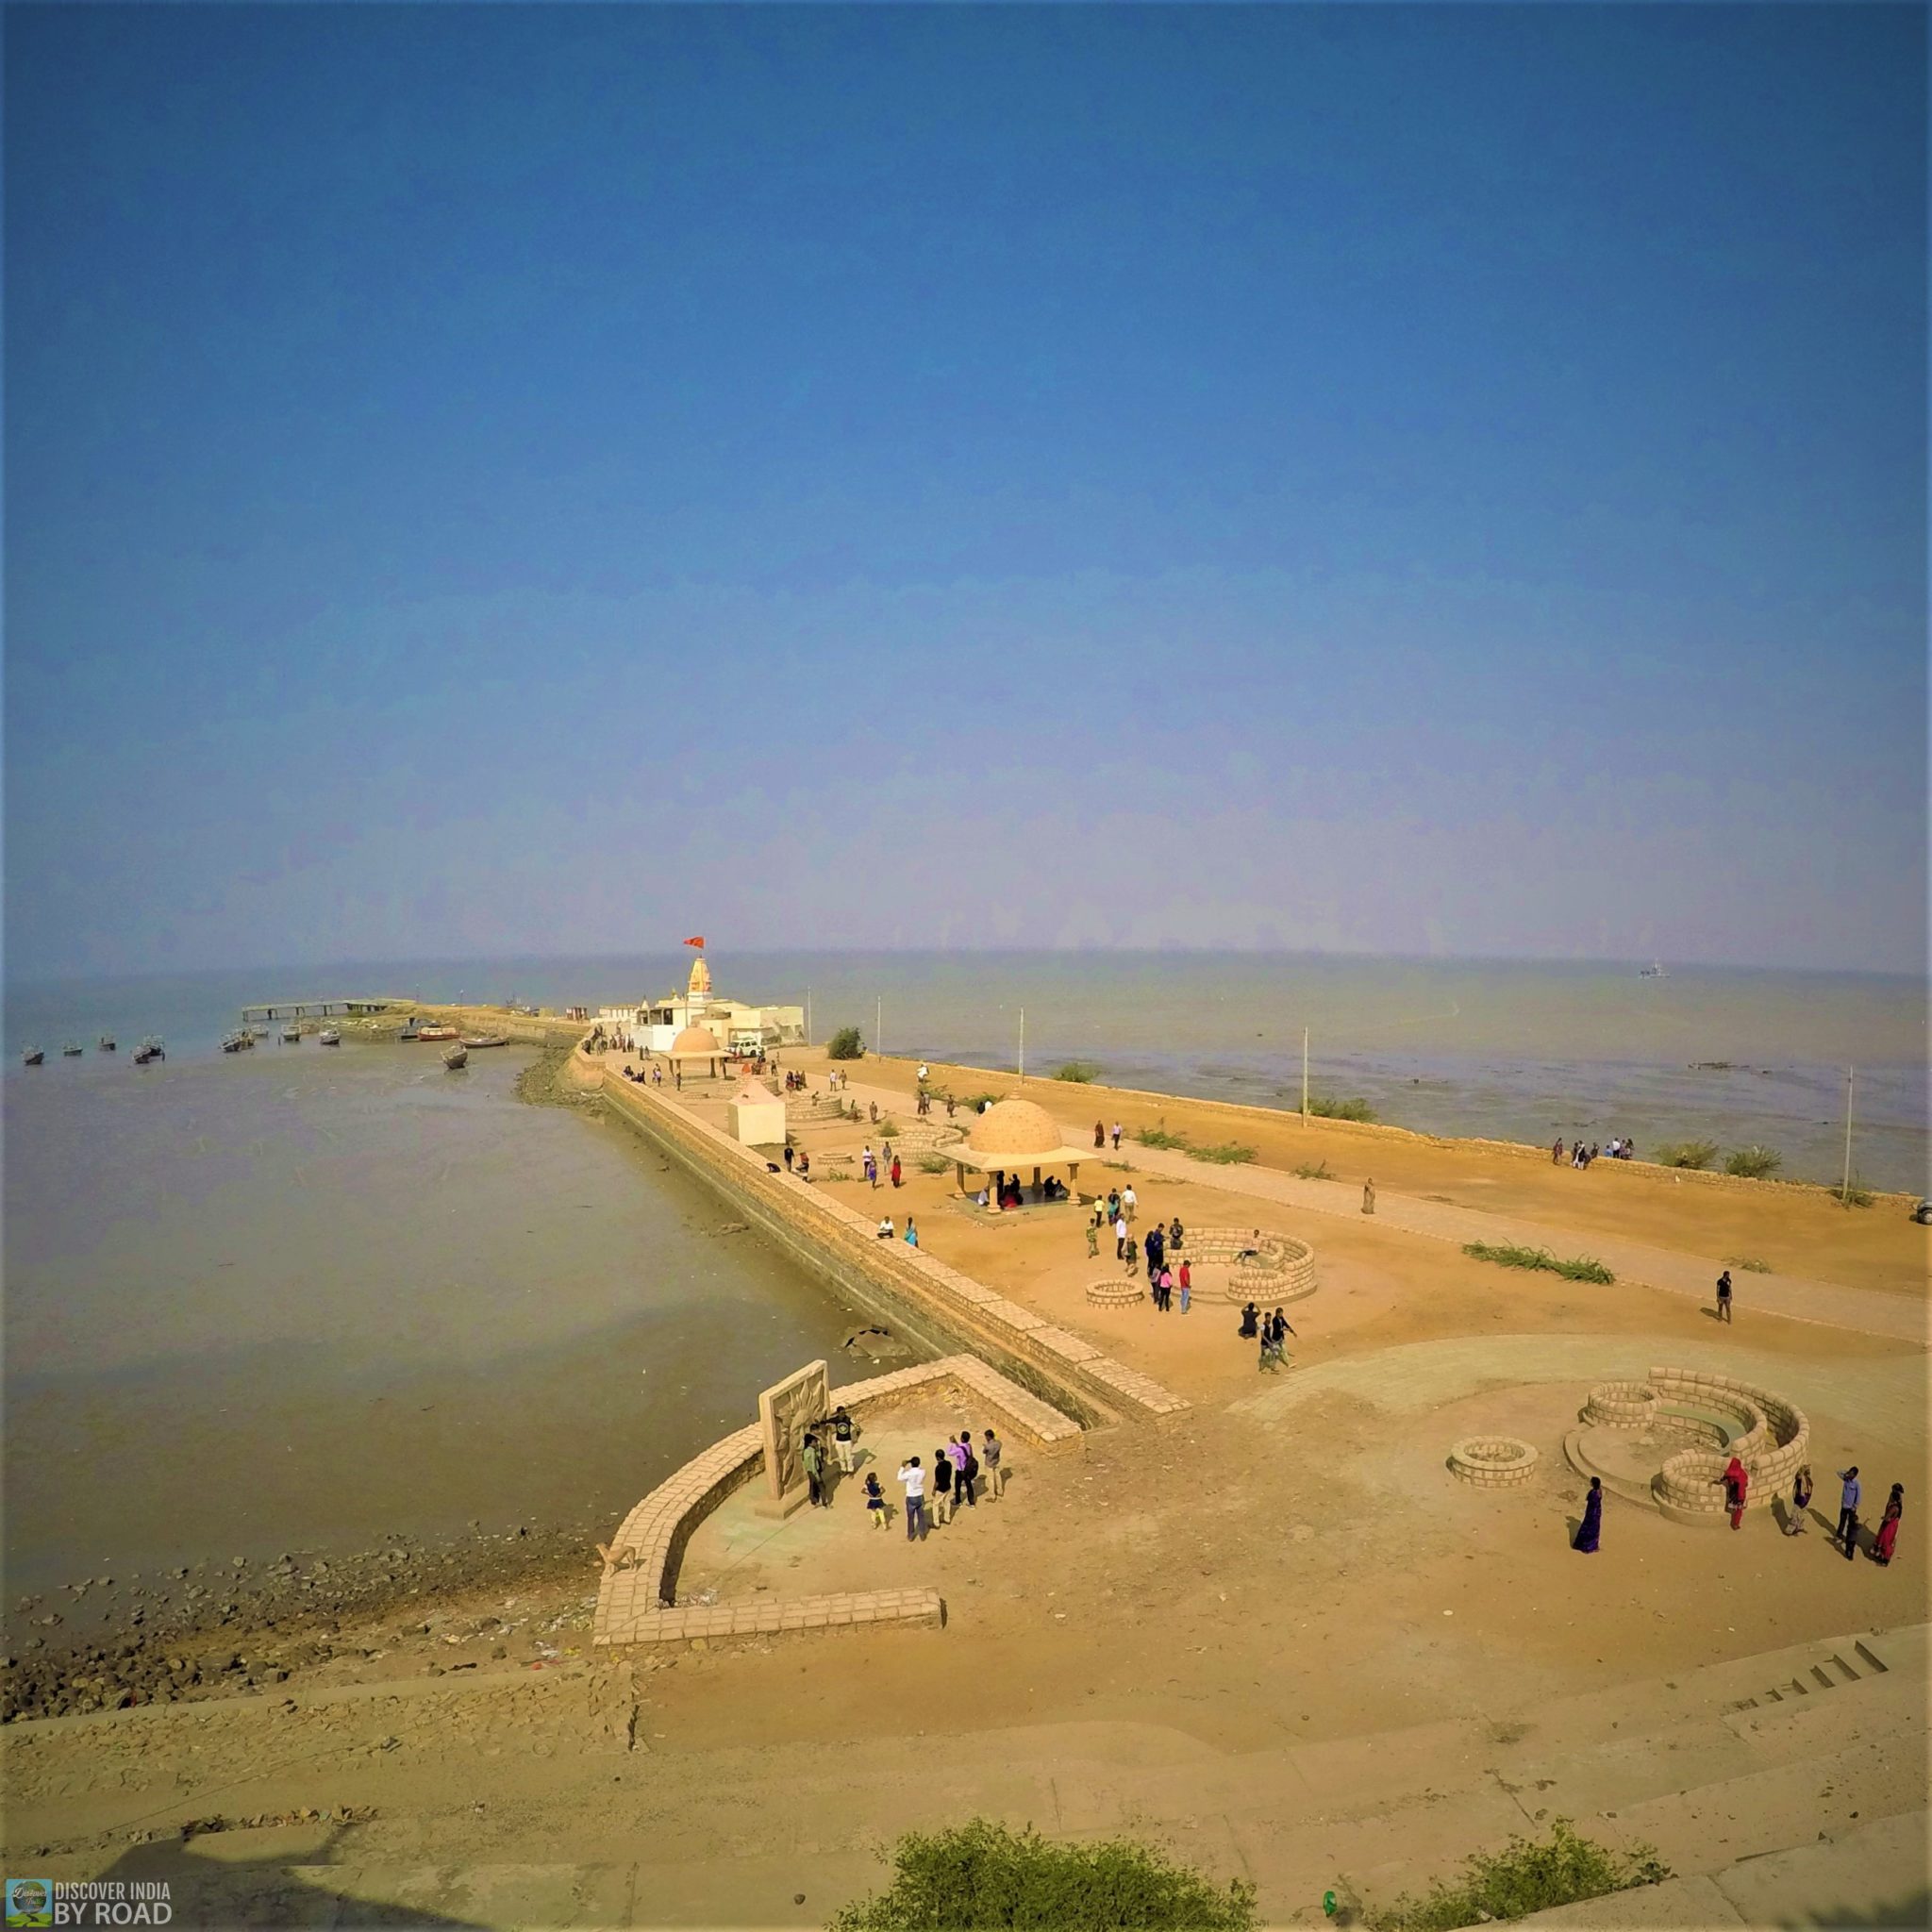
1286	1565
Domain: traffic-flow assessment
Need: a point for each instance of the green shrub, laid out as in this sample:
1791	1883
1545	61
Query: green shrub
1508	1254
1317	1171
1327	1109
1686	1153
1851	1193
981	1874
1749	1263
887	1126
1224	1154
1080	1071
845	1044
1158	1137
1752	1163
1526	1876
933	1163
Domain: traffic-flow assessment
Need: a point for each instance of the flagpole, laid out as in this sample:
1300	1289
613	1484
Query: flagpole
1305	1076
1022	1046
878	1025
1851	1082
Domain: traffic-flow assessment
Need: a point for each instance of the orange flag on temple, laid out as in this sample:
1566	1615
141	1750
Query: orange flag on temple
695	943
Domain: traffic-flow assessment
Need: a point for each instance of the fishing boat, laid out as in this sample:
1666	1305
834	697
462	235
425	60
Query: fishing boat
237	1042
455	1058
1653	971
72	1050
436	1033
474	1040
33	1055
106	1043
330	1036
291	1035
255	1032
149	1049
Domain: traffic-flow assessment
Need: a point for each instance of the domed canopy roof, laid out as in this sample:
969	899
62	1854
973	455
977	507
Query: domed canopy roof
696	1040
1015	1128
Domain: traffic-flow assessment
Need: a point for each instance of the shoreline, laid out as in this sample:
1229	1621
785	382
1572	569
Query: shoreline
1054	1093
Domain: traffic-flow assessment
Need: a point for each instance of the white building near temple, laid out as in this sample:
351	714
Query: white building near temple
652	1026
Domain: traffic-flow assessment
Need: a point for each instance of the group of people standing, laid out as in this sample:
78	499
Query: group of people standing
1737	1486
955	1477
1620	1148
956	1472
1274	1331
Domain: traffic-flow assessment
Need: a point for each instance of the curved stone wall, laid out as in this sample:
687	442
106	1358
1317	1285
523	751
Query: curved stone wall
1116	1291
1622	1405
1493	1462
1277	1268
1769	1435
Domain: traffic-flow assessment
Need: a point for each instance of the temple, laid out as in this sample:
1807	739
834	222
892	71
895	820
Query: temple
738	1027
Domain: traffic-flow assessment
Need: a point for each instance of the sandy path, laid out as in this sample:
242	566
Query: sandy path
1804	1299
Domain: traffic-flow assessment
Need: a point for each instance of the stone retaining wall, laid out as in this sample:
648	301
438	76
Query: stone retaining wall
636	1596
837	1240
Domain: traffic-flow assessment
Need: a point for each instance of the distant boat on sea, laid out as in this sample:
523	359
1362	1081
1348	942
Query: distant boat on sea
1653	971
485	1040
330	1036
455	1058
34	1055
149	1049
106	1043
72	1050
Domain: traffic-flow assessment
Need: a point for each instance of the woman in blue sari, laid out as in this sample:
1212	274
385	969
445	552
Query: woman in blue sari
1591	1526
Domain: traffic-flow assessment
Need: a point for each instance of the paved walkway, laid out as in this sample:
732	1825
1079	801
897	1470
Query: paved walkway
1803	1299
1414	1377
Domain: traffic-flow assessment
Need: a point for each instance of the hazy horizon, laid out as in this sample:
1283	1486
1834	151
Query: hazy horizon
660	956
1383	482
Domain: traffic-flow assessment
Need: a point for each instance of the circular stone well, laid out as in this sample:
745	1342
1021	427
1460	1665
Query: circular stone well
1119	1292
1493	1461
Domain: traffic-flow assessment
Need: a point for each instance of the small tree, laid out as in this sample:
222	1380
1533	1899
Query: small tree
845	1044
981	1874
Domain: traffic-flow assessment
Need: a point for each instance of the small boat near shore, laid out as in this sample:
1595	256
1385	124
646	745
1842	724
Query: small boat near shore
481	1039
330	1036
242	1041
106	1043
291	1036
72	1050
435	1033
149	1049
33	1055
455	1058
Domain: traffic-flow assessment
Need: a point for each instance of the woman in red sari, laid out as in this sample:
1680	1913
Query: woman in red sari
1888	1528
1737	1482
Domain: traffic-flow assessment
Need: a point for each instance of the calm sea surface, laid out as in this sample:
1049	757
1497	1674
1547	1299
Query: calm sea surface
301	1297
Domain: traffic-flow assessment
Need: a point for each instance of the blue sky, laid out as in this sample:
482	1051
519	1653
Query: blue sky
501	480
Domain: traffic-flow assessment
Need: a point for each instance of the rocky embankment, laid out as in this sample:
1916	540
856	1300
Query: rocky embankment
219	1628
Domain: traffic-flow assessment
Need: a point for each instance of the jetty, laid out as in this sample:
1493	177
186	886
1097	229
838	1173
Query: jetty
276	1010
